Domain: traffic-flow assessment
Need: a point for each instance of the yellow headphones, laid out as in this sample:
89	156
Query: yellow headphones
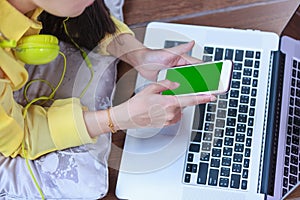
33	49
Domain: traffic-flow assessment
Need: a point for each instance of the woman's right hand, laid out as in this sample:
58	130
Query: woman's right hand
149	108
146	109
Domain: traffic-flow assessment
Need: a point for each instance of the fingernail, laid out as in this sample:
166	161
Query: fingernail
176	85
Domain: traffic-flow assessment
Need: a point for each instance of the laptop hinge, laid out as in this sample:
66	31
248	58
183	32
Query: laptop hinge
272	125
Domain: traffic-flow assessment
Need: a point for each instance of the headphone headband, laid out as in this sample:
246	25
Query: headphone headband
39	39
8	43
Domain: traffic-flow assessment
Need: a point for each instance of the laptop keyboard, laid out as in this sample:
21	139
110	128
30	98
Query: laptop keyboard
221	139
292	156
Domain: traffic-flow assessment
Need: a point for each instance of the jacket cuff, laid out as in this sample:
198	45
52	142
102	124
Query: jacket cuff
66	124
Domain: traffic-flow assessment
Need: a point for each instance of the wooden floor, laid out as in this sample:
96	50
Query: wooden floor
293	27
267	15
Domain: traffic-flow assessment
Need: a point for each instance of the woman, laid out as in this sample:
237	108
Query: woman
66	123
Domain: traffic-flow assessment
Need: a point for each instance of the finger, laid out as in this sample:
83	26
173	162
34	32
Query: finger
182	48
160	86
195	100
186	59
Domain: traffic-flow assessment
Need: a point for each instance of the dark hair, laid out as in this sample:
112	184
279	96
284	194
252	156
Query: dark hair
86	30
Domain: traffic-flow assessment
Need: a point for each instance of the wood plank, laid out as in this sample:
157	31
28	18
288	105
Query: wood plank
267	17
293	27
143	11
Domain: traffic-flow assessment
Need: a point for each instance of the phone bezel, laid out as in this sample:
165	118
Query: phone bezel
225	77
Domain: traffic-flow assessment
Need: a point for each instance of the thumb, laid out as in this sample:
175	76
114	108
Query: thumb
182	48
160	86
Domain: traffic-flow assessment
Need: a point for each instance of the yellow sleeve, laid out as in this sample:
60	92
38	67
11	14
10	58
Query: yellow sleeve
121	29
43	130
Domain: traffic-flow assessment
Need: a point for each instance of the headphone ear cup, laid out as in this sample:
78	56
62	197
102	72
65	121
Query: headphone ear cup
37	49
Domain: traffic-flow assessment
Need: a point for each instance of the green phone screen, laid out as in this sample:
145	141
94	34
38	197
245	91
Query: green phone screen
197	78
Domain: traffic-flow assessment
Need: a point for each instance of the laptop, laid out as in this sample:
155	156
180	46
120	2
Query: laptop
234	148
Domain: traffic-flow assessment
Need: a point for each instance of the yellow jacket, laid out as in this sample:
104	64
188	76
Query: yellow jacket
44	129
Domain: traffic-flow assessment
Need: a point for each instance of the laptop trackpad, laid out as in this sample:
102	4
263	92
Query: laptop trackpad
148	150
149	140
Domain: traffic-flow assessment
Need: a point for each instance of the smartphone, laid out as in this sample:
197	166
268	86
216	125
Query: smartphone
204	78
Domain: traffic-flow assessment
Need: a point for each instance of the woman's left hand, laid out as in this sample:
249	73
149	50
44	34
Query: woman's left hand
152	61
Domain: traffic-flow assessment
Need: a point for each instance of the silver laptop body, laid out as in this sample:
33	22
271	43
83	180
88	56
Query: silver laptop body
218	150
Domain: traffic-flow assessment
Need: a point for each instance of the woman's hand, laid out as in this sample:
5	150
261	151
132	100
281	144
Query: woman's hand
146	109
150	61
149	108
